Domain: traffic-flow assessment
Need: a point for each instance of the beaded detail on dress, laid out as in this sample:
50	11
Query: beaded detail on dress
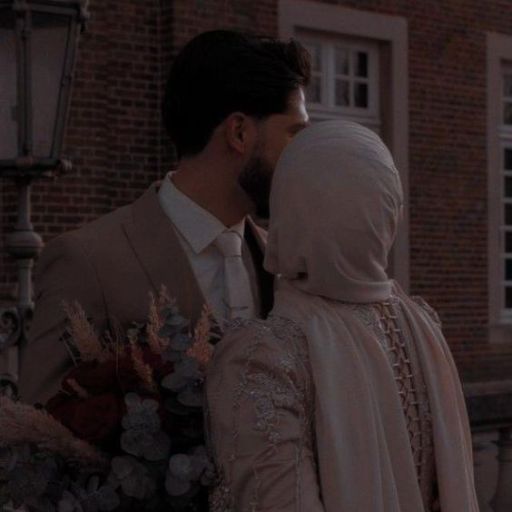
269	394
384	319
283	385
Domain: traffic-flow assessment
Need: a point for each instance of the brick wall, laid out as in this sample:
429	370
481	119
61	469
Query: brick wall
113	136
448	168
117	145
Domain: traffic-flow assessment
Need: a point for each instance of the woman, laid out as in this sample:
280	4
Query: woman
347	398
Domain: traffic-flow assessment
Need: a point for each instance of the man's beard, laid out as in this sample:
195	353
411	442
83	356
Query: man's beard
256	180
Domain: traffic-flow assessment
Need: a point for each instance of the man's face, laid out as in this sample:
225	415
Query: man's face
274	133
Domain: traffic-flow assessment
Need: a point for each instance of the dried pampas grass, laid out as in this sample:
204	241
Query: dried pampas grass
21	423
85	338
201	349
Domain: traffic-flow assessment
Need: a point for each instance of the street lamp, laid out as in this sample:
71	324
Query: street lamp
38	40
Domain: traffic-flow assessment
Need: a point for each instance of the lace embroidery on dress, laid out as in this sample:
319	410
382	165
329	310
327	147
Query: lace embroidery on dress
383	319
221	498
269	395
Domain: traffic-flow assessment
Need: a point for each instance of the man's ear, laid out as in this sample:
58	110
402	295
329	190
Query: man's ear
240	132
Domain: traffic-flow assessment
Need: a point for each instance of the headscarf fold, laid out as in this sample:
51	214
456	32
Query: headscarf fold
335	205
335	202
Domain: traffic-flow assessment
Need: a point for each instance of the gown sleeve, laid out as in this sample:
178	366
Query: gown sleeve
260	414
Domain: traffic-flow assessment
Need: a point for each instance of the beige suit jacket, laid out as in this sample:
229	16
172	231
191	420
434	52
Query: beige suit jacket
110	266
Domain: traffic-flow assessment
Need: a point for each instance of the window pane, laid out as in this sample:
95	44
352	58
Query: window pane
508	214
315	50
342	63
507	160
48	53
314	90
508	241
508	297
361	64
361	95
508	270
507	113
507	85
342	94
508	186
8	86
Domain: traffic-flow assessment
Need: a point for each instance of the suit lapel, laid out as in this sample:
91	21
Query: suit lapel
155	242
256	239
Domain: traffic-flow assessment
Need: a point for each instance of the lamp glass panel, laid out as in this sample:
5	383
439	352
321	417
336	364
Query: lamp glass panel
8	86
50	34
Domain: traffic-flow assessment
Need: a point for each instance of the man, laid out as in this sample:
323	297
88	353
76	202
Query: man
232	103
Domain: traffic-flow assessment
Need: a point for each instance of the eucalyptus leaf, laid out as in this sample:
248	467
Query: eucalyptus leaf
175	486
172	356
180	342
180	466
69	503
159	447
121	467
166	331
175	381
107	498
191	397
176	320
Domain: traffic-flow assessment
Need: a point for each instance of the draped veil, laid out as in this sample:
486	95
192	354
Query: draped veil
335	206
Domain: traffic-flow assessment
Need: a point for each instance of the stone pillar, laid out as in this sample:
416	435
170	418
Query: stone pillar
24	245
502	500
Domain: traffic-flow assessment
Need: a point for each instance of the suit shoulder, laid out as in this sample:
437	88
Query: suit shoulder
104	226
94	234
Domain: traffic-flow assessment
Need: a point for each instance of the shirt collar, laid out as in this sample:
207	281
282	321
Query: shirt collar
197	226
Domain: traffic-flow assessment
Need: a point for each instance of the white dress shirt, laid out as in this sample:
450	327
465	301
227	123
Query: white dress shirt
197	231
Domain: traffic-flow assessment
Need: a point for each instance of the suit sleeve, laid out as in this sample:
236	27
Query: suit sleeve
63	273
259	423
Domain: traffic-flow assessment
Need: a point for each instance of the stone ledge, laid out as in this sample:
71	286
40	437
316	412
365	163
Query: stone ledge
489	404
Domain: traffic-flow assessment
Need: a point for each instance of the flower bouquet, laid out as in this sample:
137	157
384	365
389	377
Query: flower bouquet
126	430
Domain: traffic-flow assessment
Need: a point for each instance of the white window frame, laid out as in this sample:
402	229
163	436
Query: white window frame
499	137
298	17
327	108
505	143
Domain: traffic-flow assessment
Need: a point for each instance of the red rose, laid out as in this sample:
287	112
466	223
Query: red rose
92	404
114	375
97	378
96	419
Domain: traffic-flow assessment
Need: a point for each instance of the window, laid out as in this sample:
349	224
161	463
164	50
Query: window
507	97
344	79
506	228
505	171
360	72
499	153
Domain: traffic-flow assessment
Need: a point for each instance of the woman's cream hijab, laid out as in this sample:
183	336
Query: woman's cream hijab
335	204
336	199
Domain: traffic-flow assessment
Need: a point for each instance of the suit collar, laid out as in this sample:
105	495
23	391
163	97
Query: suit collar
155	242
195	224
158	249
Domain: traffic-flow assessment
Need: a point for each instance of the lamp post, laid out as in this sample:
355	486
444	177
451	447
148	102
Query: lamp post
38	41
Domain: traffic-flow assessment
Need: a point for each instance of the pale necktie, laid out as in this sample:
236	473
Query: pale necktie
238	286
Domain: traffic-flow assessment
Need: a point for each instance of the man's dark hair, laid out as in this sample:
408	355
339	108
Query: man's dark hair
221	72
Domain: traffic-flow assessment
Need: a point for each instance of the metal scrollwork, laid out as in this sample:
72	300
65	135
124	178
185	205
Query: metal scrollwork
12	326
